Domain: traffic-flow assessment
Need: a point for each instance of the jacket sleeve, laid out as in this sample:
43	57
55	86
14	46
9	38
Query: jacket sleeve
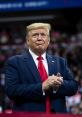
17	90
69	86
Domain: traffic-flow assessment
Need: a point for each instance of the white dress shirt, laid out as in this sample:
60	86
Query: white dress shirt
36	61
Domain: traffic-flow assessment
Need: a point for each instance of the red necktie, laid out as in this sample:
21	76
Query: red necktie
44	76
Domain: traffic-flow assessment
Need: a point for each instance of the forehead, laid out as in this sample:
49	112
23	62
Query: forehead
39	30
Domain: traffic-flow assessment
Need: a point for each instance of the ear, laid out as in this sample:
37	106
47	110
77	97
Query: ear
27	40
48	41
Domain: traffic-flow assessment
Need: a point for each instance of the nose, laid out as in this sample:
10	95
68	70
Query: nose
39	36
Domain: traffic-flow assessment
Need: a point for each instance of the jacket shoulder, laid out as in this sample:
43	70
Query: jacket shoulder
57	57
14	59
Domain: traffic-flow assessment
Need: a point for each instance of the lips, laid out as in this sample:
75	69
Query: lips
39	42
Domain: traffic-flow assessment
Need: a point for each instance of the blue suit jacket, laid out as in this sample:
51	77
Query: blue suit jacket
24	85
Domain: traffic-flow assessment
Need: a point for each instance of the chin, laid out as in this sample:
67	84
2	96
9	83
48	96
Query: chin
40	50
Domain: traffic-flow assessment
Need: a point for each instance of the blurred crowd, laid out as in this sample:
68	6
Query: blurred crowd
64	44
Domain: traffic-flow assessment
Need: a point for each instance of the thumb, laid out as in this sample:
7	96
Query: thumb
58	74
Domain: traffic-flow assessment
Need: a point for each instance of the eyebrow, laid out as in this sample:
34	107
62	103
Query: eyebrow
39	33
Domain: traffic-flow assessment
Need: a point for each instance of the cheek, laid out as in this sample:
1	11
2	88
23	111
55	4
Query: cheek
32	44
30	41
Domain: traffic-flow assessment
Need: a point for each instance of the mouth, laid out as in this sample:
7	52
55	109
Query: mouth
39	43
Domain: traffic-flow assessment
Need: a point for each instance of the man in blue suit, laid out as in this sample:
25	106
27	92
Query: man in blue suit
23	81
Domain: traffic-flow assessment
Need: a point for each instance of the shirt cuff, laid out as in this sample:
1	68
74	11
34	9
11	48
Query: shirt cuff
55	90
43	93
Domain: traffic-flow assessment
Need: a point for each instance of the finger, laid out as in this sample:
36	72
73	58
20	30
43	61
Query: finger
51	83
60	79
59	82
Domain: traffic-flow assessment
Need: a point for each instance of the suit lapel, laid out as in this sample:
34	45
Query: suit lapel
51	65
31	65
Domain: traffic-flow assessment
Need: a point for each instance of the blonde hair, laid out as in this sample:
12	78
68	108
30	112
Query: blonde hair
38	25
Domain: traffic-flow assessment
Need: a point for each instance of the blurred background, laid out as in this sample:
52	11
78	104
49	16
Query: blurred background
65	17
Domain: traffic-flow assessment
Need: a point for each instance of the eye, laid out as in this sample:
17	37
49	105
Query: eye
43	34
35	35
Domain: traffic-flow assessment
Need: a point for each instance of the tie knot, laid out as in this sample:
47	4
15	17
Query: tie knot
40	58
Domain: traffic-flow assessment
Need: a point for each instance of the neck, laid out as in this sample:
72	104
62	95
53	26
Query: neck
38	53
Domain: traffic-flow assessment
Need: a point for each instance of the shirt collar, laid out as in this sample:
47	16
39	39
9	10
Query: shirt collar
35	56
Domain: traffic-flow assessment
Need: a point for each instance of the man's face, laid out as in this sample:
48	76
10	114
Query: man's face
38	40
